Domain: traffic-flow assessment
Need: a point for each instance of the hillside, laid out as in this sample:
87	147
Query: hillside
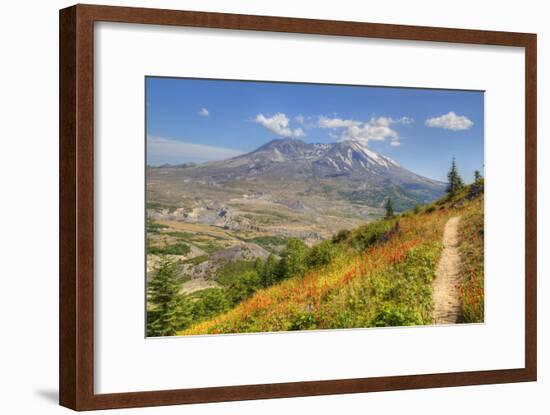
380	274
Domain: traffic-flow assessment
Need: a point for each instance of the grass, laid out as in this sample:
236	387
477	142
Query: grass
153	227
376	275
472	264
270	243
386	284
196	260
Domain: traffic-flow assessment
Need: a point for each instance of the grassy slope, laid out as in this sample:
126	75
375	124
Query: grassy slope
472	266
388	284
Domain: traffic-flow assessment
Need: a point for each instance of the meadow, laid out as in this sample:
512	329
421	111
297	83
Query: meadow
376	275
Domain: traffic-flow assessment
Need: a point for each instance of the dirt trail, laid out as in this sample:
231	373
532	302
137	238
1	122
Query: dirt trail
445	286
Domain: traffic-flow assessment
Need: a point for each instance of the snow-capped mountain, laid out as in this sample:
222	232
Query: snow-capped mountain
358	173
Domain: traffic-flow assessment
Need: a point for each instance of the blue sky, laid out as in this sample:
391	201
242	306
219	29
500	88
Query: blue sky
200	120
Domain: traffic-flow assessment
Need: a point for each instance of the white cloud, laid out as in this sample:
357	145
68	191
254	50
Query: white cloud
450	121
373	130
376	129
325	122
279	124
204	112
300	119
167	150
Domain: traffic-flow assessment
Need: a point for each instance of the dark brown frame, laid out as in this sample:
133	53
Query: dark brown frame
76	155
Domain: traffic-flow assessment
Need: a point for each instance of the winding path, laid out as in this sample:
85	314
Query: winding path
446	294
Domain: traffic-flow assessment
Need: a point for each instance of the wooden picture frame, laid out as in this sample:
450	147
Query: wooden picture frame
76	305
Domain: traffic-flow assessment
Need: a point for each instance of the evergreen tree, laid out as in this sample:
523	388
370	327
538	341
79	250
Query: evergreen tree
389	208
293	258
477	176
269	273
168	311
455	181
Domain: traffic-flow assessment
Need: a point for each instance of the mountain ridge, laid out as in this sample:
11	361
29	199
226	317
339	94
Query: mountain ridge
356	172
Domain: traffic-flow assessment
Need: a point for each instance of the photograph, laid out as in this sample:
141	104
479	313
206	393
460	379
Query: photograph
283	206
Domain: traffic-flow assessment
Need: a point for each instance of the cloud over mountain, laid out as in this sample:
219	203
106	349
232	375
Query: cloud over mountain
375	129
450	121
279	124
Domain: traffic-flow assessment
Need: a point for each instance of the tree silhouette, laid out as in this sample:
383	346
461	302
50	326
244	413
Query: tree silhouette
455	181
389	208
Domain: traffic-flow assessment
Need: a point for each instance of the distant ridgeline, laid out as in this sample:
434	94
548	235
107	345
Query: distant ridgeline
343	170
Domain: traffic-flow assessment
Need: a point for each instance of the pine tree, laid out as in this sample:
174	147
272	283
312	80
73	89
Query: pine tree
477	176
269	273
455	181
389	208
168	311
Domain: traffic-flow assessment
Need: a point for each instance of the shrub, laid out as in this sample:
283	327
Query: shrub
303	321
209	303
391	315
243	286
341	236
368	235
321	254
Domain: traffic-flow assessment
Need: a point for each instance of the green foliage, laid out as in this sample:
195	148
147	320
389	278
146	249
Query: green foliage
396	316
269	273
196	260
379	274
321	254
243	286
176	249
471	232
209	303
477	176
341	236
417	209
169	311
230	271
153	227
240	279
303	321
293	259
271	243
455	181
209	247
368	235
389	209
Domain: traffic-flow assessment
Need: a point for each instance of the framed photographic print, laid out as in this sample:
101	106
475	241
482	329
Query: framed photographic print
257	207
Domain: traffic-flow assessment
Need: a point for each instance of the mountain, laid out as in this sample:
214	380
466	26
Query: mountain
346	170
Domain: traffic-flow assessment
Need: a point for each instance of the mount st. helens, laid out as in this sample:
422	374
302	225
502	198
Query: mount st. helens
345	171
249	205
